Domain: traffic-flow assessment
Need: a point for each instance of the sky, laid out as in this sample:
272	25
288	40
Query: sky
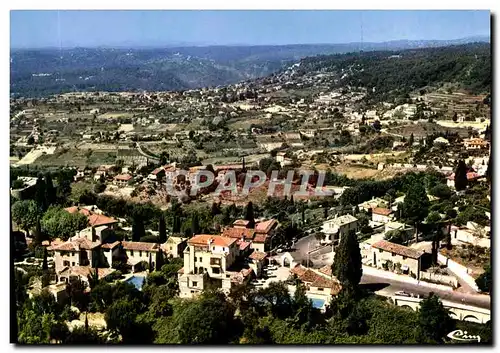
86	28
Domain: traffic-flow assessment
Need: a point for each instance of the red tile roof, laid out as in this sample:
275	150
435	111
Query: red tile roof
94	218
203	239
260	238
243	244
381	211
265	226
139	246
84	271
238	233
314	279
110	245
327	270
80	243
123	177
241	222
257	255
397	249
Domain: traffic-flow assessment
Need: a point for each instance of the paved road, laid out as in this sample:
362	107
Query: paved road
145	154
389	287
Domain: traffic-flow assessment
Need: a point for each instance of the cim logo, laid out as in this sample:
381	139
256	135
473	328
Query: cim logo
462	336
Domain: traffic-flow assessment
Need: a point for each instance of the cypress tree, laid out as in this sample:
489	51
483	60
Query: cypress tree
347	262
488	171
411	140
159	260
249	215
40	196
461	176
50	190
138	230
45	265
150	264
162	230
416	204
195	223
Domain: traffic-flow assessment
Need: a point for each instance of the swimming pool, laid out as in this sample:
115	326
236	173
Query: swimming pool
318	303
137	281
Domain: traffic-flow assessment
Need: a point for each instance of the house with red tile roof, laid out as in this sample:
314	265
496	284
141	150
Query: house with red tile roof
318	283
95	219
385	254
381	215
216	259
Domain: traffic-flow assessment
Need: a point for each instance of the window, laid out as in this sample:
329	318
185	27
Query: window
213	248
72	264
380	250
72	253
195	284
320	289
65	263
170	248
192	291
140	253
216	270
227	276
393	254
404	257
131	252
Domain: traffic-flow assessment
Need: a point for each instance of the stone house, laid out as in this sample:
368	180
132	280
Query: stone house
334	228
385	253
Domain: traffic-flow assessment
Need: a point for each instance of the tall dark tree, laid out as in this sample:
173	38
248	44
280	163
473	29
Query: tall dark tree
176	225
434	320
411	140
488	171
215	209
347	262
150	264
45	265
159	261
162	229
138	230
195	223
50	190
484	281
249	215
416	205
40	194
461	176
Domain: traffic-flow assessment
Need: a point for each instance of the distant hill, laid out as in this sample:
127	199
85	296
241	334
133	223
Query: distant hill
390	74
43	72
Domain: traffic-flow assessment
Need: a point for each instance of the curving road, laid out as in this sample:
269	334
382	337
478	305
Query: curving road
388	287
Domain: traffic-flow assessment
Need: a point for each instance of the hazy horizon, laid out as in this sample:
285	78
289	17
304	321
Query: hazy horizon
173	28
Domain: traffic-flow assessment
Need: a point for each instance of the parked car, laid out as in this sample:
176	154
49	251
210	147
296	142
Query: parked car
403	293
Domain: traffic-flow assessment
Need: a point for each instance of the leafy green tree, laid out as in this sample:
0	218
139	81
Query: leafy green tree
84	335
441	190
25	214
347	262
121	318
205	320
461	176
434	320
59	223
416	204
485	280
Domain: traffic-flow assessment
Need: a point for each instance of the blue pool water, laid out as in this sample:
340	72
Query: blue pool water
318	303
137	281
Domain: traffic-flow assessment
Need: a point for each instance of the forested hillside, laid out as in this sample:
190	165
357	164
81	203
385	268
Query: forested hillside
390	74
